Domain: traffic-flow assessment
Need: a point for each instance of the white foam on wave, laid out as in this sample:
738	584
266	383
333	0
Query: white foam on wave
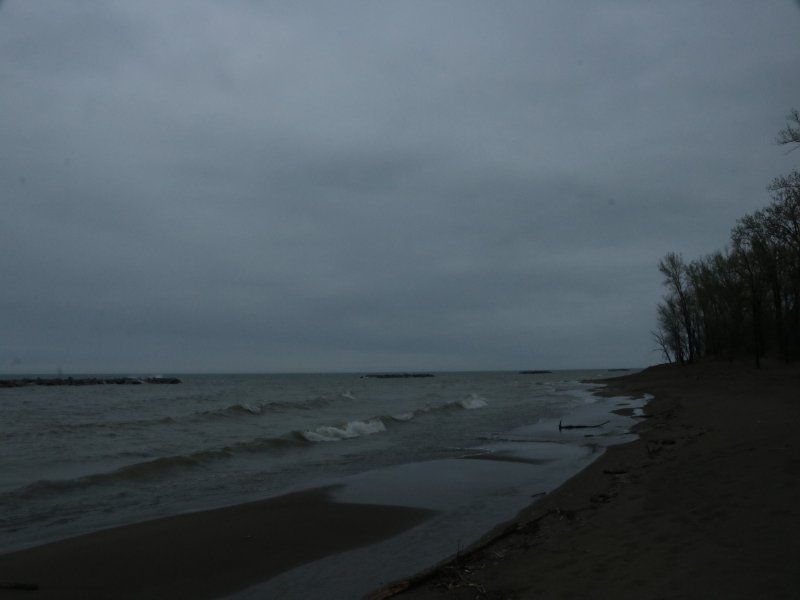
353	429
407	416
472	402
252	407
581	391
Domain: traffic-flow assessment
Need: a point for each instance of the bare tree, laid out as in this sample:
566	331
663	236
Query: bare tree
791	133
663	344
669	324
746	299
675	278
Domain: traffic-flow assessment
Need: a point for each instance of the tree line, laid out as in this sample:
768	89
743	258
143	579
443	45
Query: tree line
745	299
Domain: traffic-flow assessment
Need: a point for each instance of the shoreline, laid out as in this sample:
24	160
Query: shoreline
239	548
470	495
693	501
703	504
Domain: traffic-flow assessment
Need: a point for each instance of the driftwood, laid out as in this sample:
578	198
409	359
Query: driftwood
560	426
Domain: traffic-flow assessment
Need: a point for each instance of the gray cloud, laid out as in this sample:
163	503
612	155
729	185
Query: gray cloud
315	186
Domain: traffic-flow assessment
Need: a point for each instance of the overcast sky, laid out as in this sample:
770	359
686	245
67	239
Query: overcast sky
238	185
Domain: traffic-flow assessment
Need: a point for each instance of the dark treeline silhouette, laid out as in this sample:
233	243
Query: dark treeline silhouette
745	299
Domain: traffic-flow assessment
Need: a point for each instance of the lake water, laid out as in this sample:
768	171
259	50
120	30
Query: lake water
78	459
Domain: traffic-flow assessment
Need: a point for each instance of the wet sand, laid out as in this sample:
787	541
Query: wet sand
200	555
706	504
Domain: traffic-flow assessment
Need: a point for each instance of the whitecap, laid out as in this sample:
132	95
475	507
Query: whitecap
352	429
472	402
407	416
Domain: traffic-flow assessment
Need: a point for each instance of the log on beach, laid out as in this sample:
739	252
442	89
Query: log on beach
703	505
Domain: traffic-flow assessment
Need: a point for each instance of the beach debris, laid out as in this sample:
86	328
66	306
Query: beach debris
461	580
562	426
471	584
615	471
16	585
655	446
564	514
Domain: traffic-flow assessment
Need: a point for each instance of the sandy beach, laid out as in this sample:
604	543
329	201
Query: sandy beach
703	505
205	554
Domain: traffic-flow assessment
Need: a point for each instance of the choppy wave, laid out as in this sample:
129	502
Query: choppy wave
252	408
257	408
238	409
472	402
157	468
265	444
149	470
584	392
362	428
68	428
136	472
406	416
349	430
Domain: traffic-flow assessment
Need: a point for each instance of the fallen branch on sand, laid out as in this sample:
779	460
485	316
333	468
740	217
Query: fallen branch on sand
560	426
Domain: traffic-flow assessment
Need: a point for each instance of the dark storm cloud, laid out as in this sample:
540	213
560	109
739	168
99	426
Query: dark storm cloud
307	186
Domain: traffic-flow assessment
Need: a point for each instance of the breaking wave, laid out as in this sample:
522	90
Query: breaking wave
155	469
472	402
349	430
362	428
257	408
407	416
251	408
